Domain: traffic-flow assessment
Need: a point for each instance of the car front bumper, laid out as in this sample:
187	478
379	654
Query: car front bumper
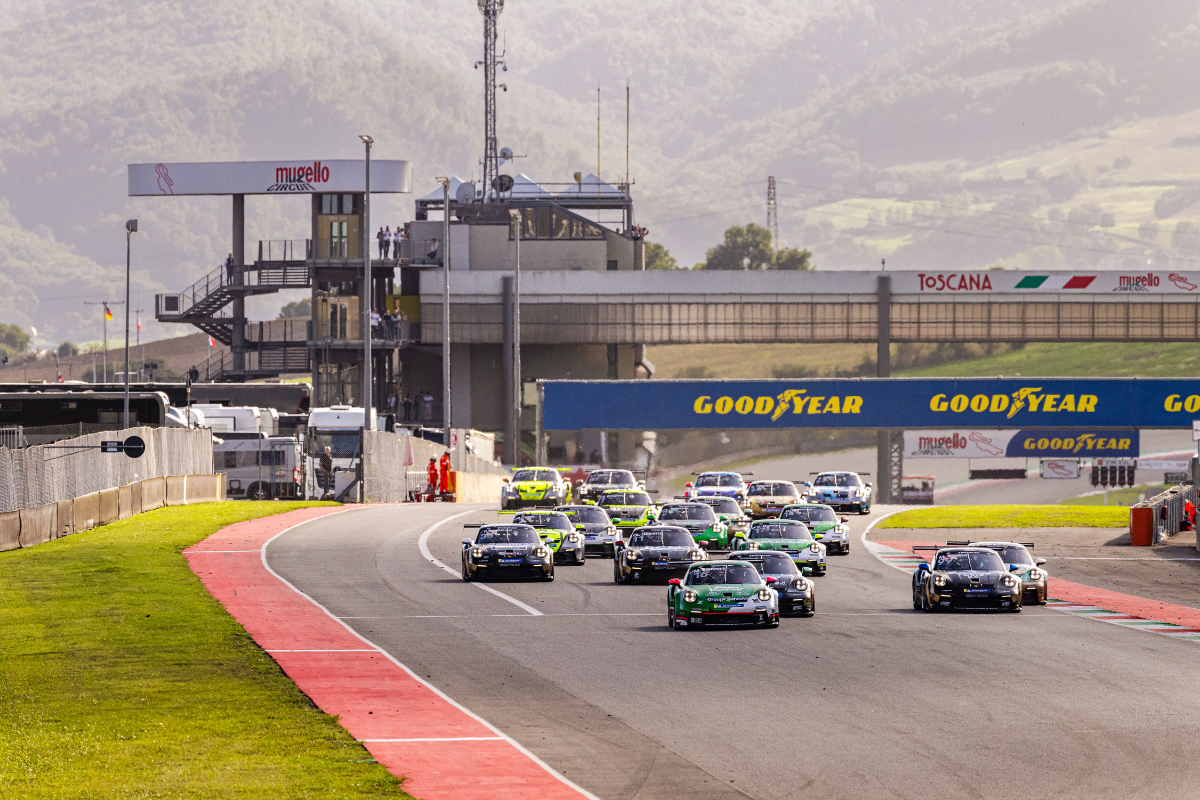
530	568
990	597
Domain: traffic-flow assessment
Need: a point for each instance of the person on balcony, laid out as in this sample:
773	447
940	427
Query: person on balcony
432	255
382	237
230	268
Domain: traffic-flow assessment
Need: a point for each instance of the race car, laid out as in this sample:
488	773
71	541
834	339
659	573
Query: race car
600	536
728	511
785	536
797	594
656	551
700	521
842	491
557	532
538	487
506	550
601	480
1031	571
627	509
768	498
825	526
717	484
721	593
964	577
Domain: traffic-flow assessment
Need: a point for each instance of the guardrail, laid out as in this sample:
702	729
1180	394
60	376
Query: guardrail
1161	516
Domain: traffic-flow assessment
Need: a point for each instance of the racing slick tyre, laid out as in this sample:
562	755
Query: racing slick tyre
812	608
618	578
467	576
819	573
916	600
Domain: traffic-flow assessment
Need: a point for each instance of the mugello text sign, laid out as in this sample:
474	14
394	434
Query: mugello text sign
907	403
963	443
267	177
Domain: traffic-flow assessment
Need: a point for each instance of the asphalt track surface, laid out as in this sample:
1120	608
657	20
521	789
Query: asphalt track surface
867	699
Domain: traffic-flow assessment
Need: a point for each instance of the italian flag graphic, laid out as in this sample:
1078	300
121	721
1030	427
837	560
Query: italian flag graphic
1055	282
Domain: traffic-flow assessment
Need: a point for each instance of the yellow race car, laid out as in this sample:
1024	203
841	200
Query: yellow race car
769	498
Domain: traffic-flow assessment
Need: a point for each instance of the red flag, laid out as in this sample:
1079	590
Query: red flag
211	342
60	378
107	313
139	322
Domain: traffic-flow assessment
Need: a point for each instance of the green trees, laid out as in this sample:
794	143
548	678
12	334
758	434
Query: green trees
13	340
658	257
299	308
749	247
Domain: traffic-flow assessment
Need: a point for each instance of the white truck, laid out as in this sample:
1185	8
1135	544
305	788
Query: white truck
258	467
340	429
240	419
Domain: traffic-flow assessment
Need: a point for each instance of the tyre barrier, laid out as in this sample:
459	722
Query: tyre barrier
32	526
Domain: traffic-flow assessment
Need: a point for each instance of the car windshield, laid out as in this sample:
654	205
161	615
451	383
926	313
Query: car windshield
558	522
1013	554
786	529
772	563
838	479
611	478
341	444
809	514
625	499
546	475
977	560
722	574
660	537
719	480
721	505
585	514
694	511
507	534
771	490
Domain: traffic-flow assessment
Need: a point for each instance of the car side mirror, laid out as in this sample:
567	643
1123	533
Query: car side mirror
806	570
578	527
769	579
844	519
1013	567
1039	561
818	536
868	486
504	480
466	541
739	535
674	582
688	485
923	566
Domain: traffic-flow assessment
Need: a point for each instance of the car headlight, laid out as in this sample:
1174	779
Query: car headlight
816	548
633	555
800	584
476	553
1036	574
689	596
1008	580
764	594
572	537
611	530
541	552
697	555
940	580
752	546
839	528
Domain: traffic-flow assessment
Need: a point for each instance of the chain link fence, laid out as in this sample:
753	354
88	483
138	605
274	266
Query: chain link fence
36	476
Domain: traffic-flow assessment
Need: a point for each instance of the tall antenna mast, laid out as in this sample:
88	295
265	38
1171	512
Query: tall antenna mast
597	131
627	135
491	11
772	212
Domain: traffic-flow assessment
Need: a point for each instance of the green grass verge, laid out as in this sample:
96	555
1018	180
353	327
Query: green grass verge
1010	517
120	676
1075	359
1116	497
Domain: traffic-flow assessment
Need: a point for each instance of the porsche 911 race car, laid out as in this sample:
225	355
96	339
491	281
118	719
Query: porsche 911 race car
768	498
964	577
601	480
600	535
842	491
797	594
721	593
557	532
1031	571
717	484
627	509
700	521
785	536
825	526
538	487
657	551
504	551
728	511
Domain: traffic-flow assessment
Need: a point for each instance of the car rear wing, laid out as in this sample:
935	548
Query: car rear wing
718	472
823	472
934	547
969	543
474	525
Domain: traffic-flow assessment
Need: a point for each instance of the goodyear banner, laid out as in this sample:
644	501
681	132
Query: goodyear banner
962	443
905	403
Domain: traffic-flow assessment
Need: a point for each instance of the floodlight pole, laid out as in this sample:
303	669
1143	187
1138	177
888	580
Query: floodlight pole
367	294
445	182
131	227
515	218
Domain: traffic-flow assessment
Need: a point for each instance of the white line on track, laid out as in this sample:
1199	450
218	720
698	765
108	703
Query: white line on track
521	748
422	543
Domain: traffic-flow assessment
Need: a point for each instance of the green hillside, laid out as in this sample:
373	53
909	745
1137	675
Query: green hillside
1070	359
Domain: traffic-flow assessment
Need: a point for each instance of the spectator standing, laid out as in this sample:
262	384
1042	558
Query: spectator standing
387	243
432	471
374	320
433	250
194	373
326	474
229	268
408	407
382	237
445	473
426	405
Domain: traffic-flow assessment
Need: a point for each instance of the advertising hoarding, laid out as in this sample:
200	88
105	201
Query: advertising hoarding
900	403
267	177
1061	469
961	443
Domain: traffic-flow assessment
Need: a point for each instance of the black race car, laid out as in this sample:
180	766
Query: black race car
601	480
797	594
964	577
600	535
656	551
506	550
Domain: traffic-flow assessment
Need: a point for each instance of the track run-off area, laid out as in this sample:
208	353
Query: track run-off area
868	698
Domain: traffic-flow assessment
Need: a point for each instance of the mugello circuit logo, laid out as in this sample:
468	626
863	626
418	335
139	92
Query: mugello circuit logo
299	179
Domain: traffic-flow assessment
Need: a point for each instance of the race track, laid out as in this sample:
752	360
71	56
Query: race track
867	699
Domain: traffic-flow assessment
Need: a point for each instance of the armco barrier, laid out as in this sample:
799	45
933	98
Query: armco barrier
87	512
109	506
154	493
10	530
38	524
176	490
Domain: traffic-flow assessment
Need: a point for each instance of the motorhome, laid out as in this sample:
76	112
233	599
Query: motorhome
258	467
340	429
240	419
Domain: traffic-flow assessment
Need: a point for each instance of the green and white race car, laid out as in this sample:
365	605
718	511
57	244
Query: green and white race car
786	536
824	524
728	511
628	509
557	532
700	521
538	487
1029	570
721	593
